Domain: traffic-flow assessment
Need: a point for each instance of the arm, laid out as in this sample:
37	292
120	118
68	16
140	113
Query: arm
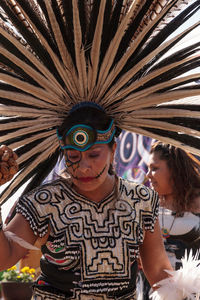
153	256
10	252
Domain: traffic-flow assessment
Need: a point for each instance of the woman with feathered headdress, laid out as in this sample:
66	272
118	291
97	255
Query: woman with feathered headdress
74	73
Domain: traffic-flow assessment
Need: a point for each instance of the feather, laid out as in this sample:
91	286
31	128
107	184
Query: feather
24	30
58	36
28	170
14	238
139	287
183	283
138	97
141	81
25	55
127	56
63	72
113	47
28	88
22	132
25	99
65	56
79	52
95	50
42	173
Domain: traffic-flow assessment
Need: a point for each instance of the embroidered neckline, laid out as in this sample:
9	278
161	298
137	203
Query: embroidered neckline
79	197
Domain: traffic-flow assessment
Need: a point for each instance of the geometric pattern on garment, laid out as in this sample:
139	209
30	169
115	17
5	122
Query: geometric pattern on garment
43	295
107	234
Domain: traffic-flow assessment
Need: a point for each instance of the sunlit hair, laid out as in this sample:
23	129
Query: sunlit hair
185	172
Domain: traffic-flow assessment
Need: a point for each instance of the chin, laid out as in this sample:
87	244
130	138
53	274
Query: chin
155	187
87	186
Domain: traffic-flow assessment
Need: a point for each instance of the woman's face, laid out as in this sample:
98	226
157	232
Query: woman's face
159	175
90	172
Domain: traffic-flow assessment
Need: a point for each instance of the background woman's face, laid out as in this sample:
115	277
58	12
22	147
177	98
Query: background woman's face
159	175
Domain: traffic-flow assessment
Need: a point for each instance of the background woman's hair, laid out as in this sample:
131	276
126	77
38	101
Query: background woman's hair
185	172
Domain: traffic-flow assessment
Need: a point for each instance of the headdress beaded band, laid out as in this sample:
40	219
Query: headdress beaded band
85	104
81	137
116	55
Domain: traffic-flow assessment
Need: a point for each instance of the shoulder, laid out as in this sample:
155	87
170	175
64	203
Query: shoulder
143	200
135	190
41	205
195	207
44	193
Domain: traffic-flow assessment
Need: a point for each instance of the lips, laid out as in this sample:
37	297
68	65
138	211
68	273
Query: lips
85	179
153	183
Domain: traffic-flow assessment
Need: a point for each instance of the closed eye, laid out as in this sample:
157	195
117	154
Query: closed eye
93	155
154	168
73	156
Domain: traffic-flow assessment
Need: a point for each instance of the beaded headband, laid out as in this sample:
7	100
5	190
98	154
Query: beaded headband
81	137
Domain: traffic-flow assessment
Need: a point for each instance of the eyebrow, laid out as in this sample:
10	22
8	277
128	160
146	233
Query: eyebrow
95	147
151	164
72	150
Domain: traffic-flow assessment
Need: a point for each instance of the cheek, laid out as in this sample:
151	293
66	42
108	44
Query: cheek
102	164
165	184
104	160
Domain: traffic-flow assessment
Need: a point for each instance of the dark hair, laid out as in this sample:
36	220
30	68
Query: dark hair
185	172
87	115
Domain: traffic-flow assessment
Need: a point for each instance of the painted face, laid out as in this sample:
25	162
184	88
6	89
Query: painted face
90	170
159	175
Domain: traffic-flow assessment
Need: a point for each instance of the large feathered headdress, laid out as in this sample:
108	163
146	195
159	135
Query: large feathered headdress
119	54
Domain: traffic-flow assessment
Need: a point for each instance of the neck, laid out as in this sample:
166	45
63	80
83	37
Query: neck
167	201
100	193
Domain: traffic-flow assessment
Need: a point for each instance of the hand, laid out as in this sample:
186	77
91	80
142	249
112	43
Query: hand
8	164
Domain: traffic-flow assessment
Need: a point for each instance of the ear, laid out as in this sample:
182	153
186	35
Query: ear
114	146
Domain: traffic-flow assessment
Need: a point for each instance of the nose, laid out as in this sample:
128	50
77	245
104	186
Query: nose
149	174
84	165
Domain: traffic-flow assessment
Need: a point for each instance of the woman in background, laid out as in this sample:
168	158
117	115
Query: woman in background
175	175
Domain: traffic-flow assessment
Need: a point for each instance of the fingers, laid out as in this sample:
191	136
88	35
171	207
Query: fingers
8	164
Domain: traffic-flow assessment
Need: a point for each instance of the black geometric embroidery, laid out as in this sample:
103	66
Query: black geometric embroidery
100	238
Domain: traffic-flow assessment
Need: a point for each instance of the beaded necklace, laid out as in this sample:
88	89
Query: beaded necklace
164	230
